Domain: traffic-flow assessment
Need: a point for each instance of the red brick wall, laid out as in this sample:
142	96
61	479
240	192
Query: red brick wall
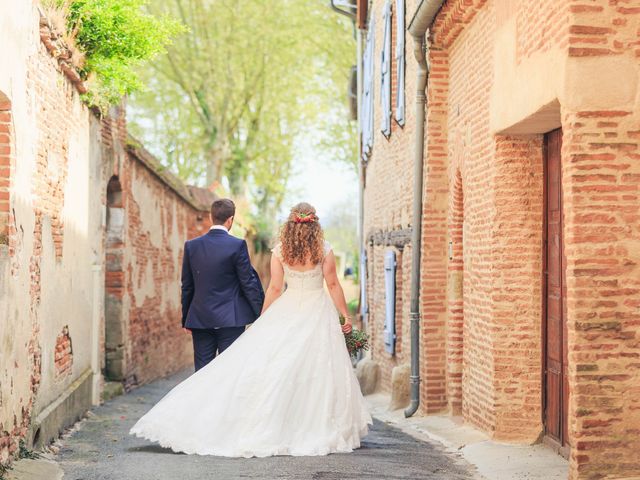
471	150
158	346
388	200
601	181
542	25
63	356
516	281
145	282
5	167
433	295
481	335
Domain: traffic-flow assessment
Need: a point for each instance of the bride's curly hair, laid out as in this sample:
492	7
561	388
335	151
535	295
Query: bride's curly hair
301	237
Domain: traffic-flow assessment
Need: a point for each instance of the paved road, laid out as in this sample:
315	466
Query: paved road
101	449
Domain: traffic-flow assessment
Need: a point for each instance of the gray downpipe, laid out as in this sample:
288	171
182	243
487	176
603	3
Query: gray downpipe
422	20
416	224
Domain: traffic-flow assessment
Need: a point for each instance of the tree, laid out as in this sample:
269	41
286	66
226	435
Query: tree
231	95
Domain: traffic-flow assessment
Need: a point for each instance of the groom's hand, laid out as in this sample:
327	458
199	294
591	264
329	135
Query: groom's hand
186	330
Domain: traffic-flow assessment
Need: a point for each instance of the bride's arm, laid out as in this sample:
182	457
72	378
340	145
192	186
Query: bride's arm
275	284
335	289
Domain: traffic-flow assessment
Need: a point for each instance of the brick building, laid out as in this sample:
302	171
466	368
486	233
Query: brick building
530	238
91	236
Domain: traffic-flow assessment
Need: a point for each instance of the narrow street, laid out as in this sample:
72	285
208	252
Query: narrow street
101	449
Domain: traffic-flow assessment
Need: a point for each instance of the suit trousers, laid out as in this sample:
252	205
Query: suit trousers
209	341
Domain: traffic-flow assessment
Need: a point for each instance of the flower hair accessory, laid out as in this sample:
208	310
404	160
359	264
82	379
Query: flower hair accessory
305	217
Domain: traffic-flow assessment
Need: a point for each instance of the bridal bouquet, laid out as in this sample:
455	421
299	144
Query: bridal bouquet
356	340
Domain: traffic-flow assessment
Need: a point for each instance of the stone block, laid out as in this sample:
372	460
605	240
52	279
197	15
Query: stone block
400	387
368	372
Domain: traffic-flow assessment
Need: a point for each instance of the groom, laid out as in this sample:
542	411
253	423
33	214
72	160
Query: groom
221	292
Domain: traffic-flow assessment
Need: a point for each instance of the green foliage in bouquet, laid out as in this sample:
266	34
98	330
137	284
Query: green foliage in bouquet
356	341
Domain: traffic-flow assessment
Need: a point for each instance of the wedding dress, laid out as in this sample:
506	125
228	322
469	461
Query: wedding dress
285	387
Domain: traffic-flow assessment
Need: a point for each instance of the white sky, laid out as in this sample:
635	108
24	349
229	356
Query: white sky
321	182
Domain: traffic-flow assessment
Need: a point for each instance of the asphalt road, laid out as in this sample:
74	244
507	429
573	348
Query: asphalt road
101	449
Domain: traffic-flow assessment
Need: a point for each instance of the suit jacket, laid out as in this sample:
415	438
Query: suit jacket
220	288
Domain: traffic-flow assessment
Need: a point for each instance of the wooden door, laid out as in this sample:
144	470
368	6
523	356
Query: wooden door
556	391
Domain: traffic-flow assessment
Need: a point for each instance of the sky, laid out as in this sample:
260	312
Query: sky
322	182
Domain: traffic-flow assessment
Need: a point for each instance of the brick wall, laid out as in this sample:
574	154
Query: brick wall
63	357
41	140
601	181
502	74
388	200
152	268
56	160
153	214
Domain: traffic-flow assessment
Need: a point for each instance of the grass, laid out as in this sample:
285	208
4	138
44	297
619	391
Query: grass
24	452
4	469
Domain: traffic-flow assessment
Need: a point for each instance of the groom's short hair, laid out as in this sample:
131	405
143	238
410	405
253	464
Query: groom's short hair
221	210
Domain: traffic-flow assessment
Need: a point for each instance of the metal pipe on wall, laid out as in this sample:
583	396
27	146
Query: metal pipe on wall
422	20
416	226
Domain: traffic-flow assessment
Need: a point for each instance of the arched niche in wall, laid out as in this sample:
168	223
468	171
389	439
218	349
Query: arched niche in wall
114	335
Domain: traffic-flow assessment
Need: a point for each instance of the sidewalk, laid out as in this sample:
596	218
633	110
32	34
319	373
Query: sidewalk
493	460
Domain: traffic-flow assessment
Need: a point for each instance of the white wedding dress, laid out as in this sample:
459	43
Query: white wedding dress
285	387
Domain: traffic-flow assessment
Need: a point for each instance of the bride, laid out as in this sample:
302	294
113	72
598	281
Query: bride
286	386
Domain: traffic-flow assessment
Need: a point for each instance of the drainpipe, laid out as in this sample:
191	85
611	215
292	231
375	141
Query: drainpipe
361	247
422	20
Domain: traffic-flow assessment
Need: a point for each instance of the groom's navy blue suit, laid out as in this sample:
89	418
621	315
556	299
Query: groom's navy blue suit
221	292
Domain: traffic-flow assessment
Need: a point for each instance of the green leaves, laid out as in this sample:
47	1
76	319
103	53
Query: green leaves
116	36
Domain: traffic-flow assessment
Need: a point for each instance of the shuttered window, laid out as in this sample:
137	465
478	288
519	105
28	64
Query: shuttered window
385	73
400	64
367	93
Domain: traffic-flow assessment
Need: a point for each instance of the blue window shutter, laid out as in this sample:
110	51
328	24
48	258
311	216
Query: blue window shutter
389	333
385	71
400	61
367	94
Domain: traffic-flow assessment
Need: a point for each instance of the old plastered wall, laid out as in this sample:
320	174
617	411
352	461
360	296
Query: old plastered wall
153	215
47	297
56	159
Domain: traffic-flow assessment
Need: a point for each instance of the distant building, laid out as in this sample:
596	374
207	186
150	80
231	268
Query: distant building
530	263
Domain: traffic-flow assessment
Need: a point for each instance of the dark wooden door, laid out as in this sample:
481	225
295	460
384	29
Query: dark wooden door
556	391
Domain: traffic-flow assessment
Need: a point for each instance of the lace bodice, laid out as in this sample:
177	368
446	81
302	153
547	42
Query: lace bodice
309	279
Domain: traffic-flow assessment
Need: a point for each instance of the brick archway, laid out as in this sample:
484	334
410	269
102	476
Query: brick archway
455	303
114	335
